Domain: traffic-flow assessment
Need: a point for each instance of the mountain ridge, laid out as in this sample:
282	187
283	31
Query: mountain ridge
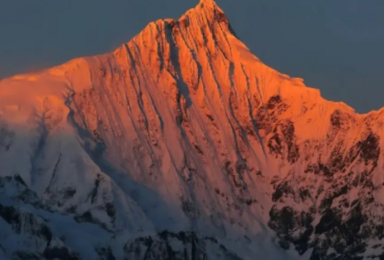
183	137
211	6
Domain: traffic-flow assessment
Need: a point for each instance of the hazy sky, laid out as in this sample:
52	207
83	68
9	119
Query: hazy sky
336	46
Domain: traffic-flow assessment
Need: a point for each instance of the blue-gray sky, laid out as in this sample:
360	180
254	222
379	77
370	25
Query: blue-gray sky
336	46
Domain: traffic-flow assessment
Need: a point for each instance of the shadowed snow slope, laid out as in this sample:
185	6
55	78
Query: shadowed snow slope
181	144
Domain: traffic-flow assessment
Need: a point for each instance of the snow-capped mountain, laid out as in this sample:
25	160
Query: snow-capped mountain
181	144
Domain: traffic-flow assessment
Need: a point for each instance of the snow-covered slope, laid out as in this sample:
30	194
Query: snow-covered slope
183	144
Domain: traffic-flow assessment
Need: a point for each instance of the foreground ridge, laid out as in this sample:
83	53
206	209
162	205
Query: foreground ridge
182	144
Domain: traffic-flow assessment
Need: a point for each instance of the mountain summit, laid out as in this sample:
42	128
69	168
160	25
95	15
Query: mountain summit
181	144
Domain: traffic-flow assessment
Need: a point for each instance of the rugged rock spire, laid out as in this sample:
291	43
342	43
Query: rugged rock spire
207	11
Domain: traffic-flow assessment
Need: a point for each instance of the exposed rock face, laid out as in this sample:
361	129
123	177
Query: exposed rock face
181	144
180	246
25	233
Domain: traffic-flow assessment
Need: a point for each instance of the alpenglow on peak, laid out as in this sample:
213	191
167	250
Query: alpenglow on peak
182	144
207	12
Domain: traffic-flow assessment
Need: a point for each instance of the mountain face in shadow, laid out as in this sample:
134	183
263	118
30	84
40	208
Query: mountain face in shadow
181	144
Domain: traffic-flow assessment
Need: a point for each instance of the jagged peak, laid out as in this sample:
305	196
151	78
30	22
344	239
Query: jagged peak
211	10
206	6
208	12
209	5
